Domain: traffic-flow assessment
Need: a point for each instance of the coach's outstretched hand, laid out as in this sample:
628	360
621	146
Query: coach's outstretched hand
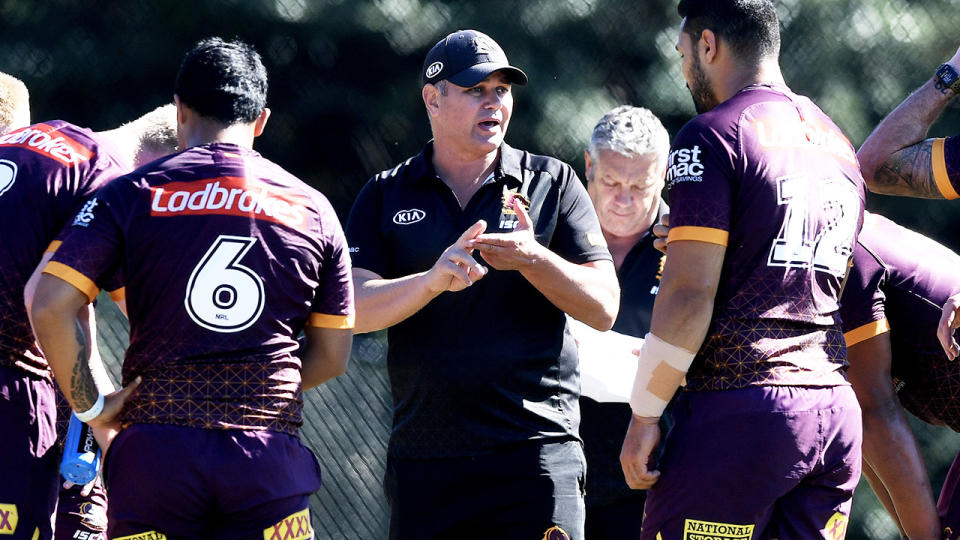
512	250
640	442
949	321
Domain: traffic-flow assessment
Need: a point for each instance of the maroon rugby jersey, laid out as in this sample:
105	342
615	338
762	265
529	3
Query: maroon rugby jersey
769	176
224	257
898	283
47	171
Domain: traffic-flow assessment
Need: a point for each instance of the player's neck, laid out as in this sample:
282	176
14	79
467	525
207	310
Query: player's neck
212	132
766	72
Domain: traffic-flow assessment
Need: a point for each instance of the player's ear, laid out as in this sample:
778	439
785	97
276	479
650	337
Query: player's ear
587	166
708	46
261	122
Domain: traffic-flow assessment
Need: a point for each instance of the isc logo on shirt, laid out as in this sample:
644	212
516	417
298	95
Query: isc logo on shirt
409	217
684	165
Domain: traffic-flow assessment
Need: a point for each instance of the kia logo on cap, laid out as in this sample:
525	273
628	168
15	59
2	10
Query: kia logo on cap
408	217
434	69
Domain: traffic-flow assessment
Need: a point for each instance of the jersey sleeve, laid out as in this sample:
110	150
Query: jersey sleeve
862	312
699	171
945	162
363	232
578	237
89	253
333	305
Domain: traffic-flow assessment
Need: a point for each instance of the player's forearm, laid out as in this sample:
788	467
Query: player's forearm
325	356
64	346
382	303
681	315
882	495
891	451
892	159
588	292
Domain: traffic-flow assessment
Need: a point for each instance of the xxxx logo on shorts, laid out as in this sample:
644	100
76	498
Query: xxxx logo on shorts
709	530
293	527
836	527
8	519
149	535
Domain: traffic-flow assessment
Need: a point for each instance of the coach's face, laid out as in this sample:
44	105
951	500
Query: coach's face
624	190
698	83
474	119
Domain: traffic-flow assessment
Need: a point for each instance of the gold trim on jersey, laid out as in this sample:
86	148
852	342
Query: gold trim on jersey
700	234
53	247
322	320
119	295
938	160
73	277
866	332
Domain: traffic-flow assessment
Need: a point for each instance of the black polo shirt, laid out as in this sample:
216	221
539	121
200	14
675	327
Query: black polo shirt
494	364
605	424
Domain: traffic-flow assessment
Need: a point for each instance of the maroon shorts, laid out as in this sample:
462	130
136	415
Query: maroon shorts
29	459
187	482
761	462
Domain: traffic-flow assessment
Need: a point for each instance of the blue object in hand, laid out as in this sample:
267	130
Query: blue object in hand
81	453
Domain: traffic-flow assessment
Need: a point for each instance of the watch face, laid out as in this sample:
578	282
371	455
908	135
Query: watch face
948	76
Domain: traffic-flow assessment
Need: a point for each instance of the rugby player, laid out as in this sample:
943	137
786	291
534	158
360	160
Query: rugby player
471	252
625	164
14	103
890	310
766	199
224	258
47	171
899	159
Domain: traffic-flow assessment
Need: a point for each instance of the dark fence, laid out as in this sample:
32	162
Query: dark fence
346	105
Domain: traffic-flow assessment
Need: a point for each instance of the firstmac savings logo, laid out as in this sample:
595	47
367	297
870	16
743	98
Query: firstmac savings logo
409	217
434	69
85	216
684	165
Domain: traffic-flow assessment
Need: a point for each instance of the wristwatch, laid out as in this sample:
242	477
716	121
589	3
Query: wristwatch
949	77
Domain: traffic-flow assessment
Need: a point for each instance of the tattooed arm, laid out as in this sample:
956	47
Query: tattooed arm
896	158
54	317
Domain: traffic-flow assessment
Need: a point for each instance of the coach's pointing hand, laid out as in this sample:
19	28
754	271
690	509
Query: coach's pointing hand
456	269
513	250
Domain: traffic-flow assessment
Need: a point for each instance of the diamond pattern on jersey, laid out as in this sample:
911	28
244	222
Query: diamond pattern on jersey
251	394
930	386
739	353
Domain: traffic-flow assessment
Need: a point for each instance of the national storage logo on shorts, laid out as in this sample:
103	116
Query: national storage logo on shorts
709	530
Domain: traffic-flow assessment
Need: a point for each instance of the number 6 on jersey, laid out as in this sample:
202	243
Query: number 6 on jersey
222	294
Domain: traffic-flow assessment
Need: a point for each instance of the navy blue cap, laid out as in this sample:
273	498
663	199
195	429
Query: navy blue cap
467	57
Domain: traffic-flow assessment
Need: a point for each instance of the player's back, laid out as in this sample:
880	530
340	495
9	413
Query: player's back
769	175
222	257
899	281
47	170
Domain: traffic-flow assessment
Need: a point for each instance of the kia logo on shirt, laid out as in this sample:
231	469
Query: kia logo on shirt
407	217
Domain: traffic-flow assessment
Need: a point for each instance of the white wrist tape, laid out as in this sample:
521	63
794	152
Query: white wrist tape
92	412
660	371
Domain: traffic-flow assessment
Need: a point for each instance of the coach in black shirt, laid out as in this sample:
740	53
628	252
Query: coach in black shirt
471	252
625	165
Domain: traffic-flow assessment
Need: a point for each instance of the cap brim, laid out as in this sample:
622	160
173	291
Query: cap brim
474	74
